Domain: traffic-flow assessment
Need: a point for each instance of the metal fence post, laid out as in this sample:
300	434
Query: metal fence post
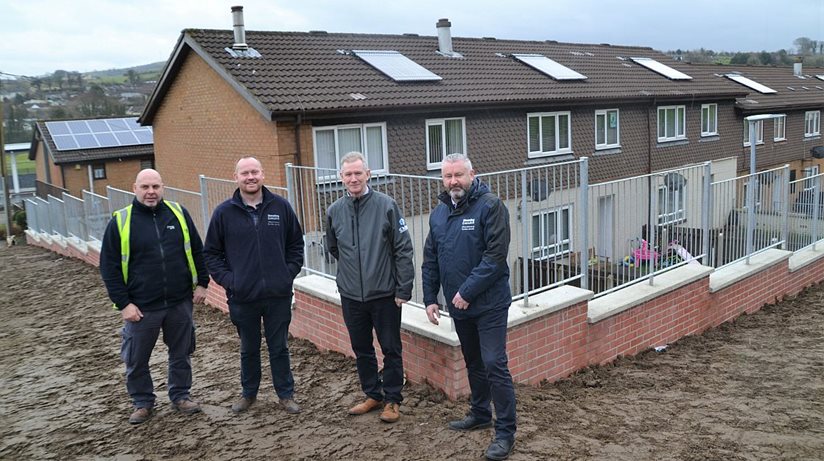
785	212
525	220
816	205
204	203
652	223
290	185
583	222
706	213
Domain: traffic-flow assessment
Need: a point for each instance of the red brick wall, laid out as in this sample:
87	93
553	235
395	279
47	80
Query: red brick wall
203	126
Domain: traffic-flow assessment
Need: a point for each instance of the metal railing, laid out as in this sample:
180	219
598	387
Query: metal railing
564	230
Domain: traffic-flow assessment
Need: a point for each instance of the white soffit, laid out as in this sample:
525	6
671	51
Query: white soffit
548	66
751	84
396	66
662	69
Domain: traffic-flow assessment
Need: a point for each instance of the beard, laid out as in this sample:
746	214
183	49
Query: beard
457	194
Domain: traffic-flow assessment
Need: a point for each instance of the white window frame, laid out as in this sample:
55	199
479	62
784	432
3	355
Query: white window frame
680	123
759	133
545	250
98	171
709	119
430	165
780	128
604	127
557	149
809	172
370	156
812	123
671	212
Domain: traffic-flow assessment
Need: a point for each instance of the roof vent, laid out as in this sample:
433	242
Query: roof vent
797	69
445	38
239	28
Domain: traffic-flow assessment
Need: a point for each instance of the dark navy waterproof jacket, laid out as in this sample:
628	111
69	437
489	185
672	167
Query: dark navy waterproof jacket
159	275
466	251
254	262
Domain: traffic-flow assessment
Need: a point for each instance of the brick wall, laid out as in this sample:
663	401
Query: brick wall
203	126
552	346
119	174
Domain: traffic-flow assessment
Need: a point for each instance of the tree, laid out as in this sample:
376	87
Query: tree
58	113
134	77
804	45
59	77
765	58
740	58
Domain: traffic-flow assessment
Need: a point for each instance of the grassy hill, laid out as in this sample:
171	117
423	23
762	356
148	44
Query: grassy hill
114	76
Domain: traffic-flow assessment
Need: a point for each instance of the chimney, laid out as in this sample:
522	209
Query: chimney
444	36
240	31
797	68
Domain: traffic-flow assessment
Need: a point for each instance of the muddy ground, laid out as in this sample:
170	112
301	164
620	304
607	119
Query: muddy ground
750	390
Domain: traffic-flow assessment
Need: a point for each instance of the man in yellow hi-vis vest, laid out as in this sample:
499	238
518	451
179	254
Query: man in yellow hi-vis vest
151	261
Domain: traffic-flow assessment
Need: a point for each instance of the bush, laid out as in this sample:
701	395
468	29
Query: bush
19	218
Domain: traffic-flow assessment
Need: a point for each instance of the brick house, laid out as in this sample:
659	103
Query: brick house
307	98
77	155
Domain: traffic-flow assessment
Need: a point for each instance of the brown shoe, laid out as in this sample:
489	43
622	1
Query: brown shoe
391	413
140	415
290	406
186	406
366	406
243	404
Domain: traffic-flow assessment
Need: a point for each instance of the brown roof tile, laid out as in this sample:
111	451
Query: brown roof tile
306	72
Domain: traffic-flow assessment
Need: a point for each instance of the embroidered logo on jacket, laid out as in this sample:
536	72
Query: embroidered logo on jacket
170	227
468	224
273	220
402	226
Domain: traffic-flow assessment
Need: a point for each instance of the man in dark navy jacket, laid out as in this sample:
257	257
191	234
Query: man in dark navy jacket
466	253
254	249
152	264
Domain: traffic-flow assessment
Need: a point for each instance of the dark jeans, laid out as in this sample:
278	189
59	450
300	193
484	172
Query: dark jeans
483	342
139	339
384	316
276	314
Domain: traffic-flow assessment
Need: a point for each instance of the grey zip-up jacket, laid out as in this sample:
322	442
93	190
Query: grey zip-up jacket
369	238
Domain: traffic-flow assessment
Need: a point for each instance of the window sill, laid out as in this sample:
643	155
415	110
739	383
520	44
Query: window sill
780	140
814	137
607	151
710	138
672	143
549	159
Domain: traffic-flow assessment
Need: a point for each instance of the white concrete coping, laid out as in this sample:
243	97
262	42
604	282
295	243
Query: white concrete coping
641	292
93	245
412	319
77	244
728	275
33	235
546	303
806	256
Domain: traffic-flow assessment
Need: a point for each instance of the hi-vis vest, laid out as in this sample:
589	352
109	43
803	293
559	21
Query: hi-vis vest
124	217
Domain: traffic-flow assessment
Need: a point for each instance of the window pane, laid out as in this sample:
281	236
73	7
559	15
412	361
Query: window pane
662	121
612	127
680	123
705	119
552	228
374	147
600	126
534	133
349	140
454	137
325	149
713	118
536	231
548	133
435	145
563	131
670	131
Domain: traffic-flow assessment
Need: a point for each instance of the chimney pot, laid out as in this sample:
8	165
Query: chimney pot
444	36
239	29
797	69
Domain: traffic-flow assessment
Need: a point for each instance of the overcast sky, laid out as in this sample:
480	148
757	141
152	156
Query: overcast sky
41	36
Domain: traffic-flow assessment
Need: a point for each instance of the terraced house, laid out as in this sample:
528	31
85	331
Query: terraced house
406	100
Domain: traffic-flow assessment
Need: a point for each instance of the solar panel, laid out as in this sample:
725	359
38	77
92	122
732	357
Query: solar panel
662	69
98	133
751	84
396	66
549	67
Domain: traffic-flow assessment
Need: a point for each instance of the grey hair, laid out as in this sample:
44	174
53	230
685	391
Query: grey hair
353	156
454	158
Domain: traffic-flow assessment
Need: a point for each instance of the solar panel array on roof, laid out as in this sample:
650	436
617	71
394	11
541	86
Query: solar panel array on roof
396	66
662	69
751	84
548	66
98	133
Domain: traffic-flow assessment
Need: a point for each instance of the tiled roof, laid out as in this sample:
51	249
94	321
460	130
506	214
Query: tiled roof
305	72
87	155
791	91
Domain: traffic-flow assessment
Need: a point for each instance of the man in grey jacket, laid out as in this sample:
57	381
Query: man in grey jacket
368	236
